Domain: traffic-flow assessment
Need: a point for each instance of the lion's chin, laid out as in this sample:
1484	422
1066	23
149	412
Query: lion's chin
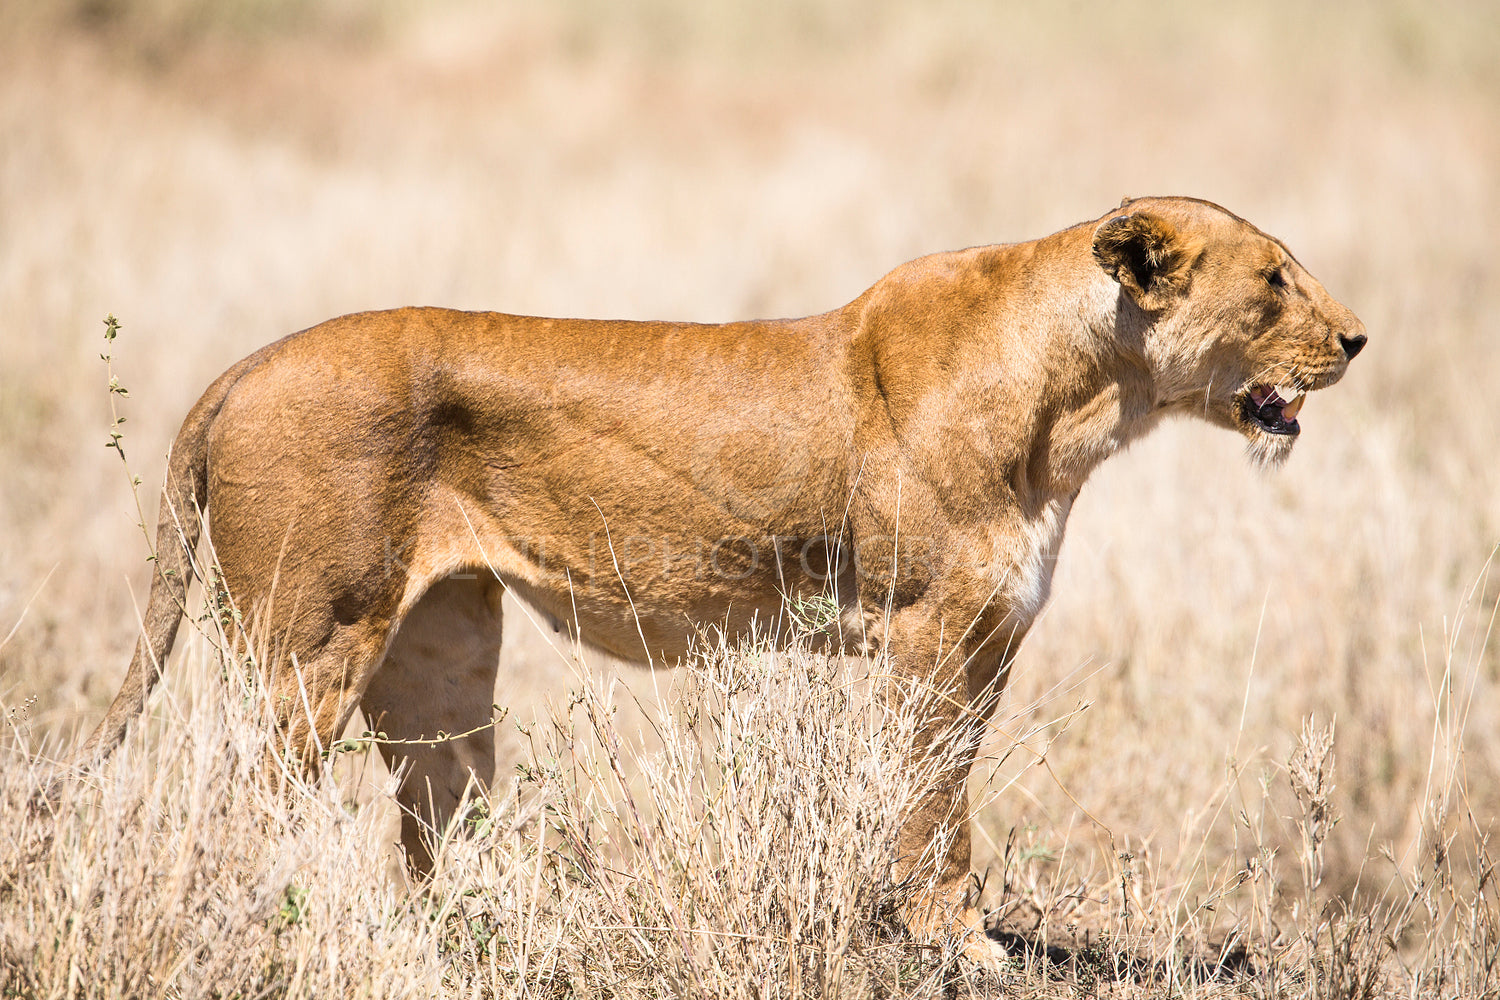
1269	451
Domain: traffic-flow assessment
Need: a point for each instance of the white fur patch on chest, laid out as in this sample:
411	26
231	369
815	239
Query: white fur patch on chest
1026	560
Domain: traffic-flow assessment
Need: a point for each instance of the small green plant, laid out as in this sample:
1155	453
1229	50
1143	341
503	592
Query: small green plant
116	421
293	905
369	738
111	331
812	614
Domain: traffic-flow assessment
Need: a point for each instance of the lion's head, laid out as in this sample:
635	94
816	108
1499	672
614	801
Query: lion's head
1234	329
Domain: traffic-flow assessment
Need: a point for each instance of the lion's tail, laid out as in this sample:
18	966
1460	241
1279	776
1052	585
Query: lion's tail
178	526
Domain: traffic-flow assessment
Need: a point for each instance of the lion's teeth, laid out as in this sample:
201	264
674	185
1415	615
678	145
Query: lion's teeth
1289	411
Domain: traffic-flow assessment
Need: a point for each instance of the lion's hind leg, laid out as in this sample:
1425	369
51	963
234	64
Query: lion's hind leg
312	695
431	697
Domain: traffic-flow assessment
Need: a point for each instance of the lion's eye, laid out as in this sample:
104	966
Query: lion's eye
1276	278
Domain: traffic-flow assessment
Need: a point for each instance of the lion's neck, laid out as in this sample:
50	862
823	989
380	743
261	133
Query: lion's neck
1091	391
1008	369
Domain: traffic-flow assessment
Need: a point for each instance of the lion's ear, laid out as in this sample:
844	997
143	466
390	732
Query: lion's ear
1146	255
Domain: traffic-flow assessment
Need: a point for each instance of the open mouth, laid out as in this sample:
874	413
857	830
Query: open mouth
1273	408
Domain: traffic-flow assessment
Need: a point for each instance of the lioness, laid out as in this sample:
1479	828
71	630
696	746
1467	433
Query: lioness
375	483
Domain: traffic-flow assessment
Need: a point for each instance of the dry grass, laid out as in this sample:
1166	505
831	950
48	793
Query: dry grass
220	174
750	856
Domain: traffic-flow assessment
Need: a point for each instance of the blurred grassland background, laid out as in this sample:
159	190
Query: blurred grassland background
220	174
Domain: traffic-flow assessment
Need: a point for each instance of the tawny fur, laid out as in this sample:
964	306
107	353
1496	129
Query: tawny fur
374	483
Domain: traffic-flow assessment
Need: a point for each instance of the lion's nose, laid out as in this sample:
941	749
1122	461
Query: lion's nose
1352	345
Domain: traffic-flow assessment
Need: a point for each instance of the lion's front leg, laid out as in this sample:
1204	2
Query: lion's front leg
948	689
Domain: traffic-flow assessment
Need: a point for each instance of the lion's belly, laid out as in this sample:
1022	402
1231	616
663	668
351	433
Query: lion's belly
650	598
